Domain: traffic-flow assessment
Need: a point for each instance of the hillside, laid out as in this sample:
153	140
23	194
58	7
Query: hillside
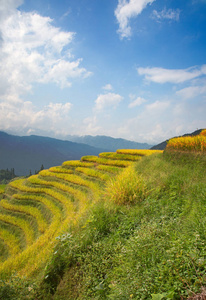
162	145
36	210
30	152
128	224
108	143
154	249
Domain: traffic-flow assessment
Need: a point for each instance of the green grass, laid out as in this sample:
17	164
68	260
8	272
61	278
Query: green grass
133	251
141	235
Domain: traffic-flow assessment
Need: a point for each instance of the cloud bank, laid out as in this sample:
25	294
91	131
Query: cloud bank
32	50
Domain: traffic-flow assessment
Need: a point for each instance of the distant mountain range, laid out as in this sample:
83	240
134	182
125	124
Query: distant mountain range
29	153
107	143
163	145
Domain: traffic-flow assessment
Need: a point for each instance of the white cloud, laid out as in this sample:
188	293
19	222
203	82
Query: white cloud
33	50
151	125
108	87
61	70
127	10
161	120
191	91
7	7
90	126
137	102
161	75
53	111
25	115
107	100
157	107
170	14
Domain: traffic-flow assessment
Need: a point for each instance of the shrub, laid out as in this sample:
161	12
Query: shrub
126	188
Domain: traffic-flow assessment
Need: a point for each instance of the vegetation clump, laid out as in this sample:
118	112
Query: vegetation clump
126	188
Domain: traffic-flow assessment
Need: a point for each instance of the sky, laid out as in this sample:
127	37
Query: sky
133	69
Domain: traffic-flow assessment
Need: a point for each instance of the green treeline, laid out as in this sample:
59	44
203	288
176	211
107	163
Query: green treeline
6	175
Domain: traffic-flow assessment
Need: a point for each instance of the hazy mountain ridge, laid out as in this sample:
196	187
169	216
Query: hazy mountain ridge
25	153
107	142
30	152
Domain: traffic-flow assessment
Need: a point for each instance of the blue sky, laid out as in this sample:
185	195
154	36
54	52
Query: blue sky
134	69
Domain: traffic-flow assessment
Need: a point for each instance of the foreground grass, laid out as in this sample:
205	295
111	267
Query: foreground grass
152	247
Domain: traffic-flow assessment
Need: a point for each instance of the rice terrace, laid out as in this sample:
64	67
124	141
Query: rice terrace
128	224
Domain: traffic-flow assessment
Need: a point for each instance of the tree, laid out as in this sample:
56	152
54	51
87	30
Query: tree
6	174
13	173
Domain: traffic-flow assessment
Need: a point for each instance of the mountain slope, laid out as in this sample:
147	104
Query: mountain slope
108	143
30	152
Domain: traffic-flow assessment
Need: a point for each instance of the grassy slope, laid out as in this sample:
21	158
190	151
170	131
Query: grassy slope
155	244
131	252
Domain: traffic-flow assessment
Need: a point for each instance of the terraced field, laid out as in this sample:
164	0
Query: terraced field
34	211
189	143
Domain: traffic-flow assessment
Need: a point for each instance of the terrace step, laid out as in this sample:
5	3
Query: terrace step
55	198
